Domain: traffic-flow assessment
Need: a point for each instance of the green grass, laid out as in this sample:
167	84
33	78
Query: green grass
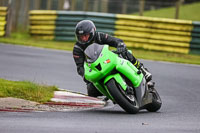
186	12
25	39
169	57
26	90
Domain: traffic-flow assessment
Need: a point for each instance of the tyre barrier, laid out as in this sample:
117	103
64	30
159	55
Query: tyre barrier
170	35
3	21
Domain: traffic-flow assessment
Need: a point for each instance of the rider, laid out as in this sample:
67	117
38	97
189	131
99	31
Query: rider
86	34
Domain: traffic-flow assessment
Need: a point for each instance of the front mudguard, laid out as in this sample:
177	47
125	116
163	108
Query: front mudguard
118	79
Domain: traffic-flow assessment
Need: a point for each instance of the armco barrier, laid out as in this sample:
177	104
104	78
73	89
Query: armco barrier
3	14
181	36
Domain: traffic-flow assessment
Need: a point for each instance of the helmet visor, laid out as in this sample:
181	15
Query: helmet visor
83	38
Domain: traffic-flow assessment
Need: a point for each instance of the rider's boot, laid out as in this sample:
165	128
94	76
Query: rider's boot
139	66
145	72
92	90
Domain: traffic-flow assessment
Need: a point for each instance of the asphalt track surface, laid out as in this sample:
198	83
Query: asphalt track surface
177	84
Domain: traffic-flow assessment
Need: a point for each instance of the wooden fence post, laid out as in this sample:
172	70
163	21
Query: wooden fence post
9	19
124	7
178	4
96	6
61	4
85	5
26	15
104	6
15	14
36	4
73	5
49	4
141	7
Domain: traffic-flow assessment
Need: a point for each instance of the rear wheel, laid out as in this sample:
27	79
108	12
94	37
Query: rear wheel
127	102
156	102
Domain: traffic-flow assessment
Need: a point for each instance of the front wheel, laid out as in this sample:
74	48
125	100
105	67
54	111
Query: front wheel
127	102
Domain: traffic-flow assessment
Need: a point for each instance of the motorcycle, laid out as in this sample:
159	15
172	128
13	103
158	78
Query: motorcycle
119	80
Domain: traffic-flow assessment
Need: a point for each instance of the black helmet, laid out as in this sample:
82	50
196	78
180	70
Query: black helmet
85	28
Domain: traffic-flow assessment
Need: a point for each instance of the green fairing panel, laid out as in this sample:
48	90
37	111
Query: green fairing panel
100	69
124	66
92	73
118	79
130	71
103	90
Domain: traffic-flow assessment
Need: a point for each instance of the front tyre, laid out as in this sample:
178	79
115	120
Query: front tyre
130	105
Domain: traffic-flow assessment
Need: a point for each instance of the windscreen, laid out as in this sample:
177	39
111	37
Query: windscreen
92	52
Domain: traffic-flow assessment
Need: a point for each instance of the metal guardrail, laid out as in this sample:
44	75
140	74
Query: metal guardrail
181	36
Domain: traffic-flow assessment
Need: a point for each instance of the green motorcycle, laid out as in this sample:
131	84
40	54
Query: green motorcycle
119	80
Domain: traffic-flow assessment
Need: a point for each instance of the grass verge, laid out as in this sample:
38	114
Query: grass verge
165	56
26	40
187	12
26	90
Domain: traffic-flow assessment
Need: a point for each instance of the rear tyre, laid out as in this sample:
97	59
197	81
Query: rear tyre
156	102
130	105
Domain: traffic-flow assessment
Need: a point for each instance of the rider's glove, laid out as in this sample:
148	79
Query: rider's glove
121	47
